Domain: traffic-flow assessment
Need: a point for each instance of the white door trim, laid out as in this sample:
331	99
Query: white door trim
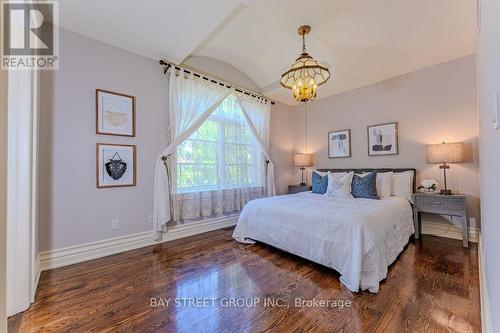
486	319
21	187
35	260
3	198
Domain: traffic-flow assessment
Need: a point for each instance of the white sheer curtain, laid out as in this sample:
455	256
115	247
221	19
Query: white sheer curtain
194	103
191	101
220	167
258	116
209	204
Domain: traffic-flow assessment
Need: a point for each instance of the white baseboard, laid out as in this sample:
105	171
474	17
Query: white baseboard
194	228
486	323
83	252
448	231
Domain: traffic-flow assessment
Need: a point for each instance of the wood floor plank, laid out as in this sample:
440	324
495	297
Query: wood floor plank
433	286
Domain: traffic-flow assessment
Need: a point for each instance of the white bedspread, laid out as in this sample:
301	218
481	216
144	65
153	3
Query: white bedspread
359	238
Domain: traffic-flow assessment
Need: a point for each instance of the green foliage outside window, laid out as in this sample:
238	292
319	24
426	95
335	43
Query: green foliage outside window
222	153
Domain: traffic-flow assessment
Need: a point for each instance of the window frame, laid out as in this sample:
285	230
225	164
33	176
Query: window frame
221	142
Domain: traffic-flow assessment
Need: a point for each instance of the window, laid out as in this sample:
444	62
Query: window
221	154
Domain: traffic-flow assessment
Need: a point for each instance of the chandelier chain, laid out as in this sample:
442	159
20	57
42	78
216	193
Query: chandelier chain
305	127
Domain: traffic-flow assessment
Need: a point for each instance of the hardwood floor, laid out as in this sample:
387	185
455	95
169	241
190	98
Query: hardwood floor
432	287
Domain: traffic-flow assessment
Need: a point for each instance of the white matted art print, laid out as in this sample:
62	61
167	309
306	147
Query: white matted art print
383	139
115	113
339	144
115	165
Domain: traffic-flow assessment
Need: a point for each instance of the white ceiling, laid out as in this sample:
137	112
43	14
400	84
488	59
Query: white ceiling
363	41
154	28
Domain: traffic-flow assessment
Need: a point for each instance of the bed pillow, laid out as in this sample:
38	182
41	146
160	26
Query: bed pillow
324	173
365	186
384	183
321	173
402	184
339	185
319	183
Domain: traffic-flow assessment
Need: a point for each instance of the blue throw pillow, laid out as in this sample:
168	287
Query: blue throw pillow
319	184
364	187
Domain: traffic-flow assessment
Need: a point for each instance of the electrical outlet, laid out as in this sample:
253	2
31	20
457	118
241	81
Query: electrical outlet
151	218
114	224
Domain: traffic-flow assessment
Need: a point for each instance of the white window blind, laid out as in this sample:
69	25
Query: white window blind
221	154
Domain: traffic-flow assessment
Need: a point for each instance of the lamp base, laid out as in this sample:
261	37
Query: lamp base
445	166
302	183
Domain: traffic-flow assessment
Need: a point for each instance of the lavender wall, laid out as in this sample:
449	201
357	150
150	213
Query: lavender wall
431	105
72	210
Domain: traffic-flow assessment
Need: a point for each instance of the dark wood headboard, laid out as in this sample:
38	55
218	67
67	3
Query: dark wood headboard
377	170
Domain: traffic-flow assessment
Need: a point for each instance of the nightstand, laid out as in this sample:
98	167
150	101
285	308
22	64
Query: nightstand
453	205
298	188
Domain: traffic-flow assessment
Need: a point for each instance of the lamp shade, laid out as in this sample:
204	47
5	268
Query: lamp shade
449	152
302	160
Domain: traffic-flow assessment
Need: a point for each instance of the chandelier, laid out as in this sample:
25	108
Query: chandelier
305	74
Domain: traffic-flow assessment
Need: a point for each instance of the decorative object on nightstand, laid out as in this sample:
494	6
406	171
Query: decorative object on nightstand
302	161
446	152
452	205
428	186
298	188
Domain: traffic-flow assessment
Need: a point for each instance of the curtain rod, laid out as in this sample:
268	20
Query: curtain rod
219	82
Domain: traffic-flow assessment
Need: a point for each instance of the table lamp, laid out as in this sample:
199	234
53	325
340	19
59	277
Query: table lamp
302	161
446	152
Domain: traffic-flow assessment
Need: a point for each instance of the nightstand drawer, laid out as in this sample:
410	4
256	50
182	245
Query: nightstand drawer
440	204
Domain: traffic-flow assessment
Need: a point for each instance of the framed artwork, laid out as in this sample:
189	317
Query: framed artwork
115	113
115	165
383	139
339	144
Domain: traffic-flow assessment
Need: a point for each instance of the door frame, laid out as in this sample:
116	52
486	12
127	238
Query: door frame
3	199
22	270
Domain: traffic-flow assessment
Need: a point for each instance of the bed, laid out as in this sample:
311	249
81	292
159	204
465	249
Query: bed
359	238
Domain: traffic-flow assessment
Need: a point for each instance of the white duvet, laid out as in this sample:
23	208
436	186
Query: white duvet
359	238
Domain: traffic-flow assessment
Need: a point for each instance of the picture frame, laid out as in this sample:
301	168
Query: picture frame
115	113
339	144
383	139
116	165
